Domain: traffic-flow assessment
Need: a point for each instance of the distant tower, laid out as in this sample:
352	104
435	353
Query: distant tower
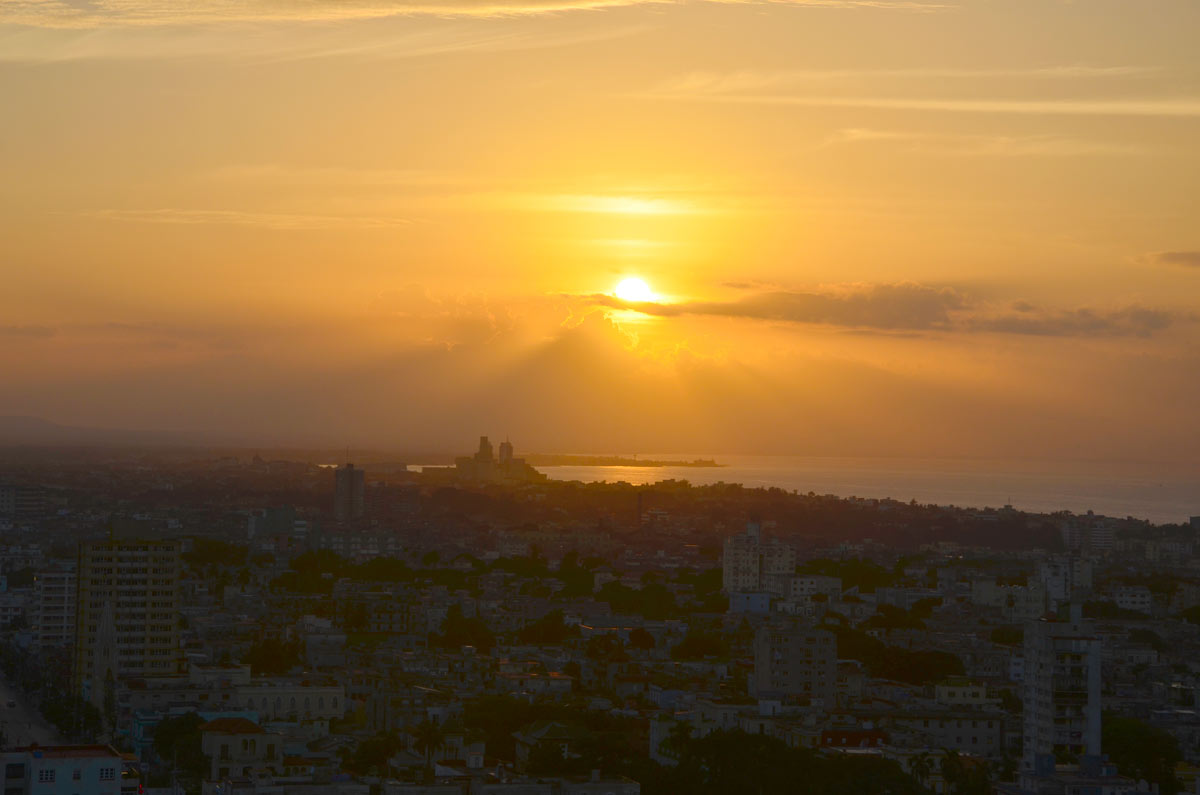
349	487
485	456
506	452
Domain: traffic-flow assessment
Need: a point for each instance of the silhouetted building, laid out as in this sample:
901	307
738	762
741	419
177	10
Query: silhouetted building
127	606
349	492
483	467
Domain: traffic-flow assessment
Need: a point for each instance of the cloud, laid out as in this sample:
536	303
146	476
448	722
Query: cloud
955	145
1124	322
713	83
900	307
909	307
1188	259
27	332
110	13
285	221
1176	107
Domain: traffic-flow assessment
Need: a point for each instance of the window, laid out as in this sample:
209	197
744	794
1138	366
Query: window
224	750
77	774
14	770
108	774
45	776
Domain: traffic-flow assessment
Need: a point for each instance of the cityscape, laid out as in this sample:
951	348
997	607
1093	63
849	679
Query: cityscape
182	622
600	397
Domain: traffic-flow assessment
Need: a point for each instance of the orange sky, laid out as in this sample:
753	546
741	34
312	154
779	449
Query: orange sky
875	228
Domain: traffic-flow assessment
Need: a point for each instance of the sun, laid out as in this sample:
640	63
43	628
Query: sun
634	290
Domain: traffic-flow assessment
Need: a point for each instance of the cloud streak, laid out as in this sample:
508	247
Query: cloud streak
279	221
1169	107
1186	259
108	13
910	307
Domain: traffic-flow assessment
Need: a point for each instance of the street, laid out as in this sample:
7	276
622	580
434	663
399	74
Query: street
22	724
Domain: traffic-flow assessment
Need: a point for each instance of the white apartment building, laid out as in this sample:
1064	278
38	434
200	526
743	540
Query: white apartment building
1061	690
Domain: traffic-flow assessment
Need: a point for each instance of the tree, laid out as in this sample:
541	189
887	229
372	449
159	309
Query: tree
639	638
177	742
273	657
920	766
458	631
1142	751
429	738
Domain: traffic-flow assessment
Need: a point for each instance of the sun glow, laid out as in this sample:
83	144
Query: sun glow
634	290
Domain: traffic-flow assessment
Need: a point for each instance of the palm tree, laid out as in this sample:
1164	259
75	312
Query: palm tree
429	738
953	770
920	766
676	741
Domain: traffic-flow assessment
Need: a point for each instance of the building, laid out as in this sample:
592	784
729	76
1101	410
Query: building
1136	598
67	770
1061	691
238	747
484	467
21	501
796	662
53	611
127	606
348	493
751	563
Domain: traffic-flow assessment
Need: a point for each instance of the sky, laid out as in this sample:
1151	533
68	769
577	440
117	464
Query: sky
967	228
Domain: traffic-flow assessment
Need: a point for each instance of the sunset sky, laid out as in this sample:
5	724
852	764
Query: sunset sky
960	228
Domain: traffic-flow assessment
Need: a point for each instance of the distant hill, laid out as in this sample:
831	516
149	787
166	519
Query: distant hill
35	431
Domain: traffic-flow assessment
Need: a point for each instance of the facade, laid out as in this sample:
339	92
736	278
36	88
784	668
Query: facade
1061	691
127	621
796	662
66	770
349	491
53	610
238	747
751	563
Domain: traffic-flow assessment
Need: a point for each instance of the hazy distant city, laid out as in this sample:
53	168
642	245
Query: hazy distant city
178	621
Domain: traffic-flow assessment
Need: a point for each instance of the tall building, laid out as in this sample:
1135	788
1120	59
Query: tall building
506	453
751	563
54	607
1061	692
796	662
127	621
348	493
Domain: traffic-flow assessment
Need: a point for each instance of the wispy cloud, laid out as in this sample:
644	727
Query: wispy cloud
910	307
748	80
286	221
102	13
27	332
964	145
1188	107
1187	259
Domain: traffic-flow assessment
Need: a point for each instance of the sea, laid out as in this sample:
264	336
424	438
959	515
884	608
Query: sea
1162	493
